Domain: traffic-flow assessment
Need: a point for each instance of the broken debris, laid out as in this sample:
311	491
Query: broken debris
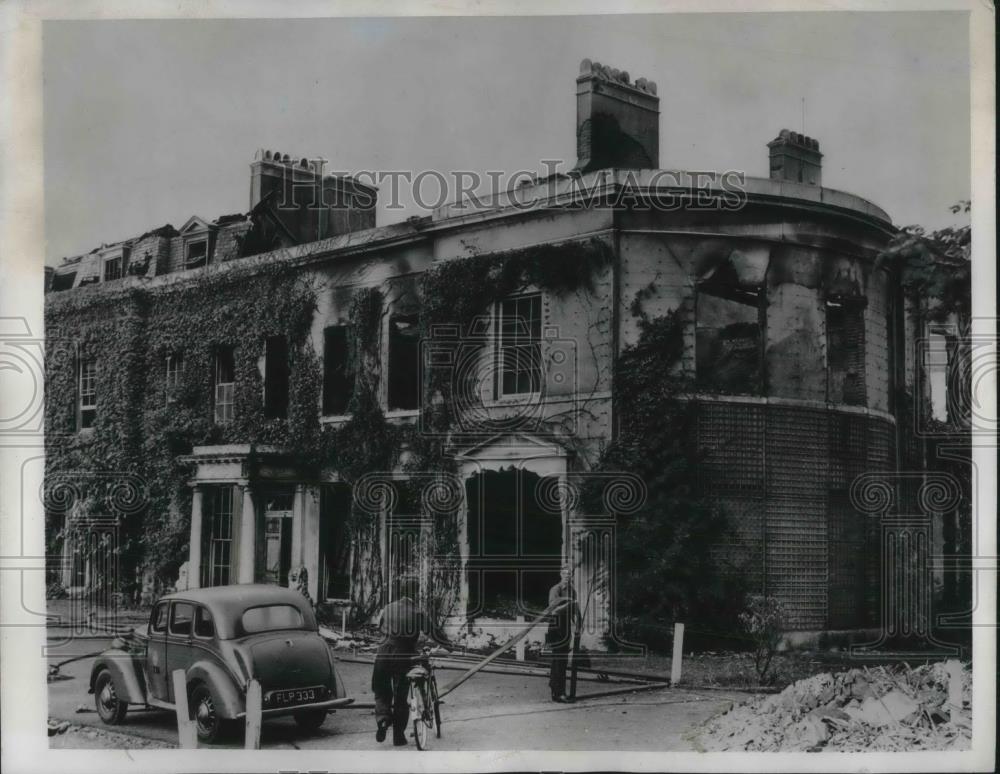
880	709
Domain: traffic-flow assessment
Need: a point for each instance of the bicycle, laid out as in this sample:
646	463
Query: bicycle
425	706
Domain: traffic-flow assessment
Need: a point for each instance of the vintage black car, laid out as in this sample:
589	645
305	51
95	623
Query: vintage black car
222	637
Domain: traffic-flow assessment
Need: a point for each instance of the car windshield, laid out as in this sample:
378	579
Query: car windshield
270	617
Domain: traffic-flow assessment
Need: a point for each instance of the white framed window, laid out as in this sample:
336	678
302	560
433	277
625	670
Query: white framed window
217	560
174	372
87	394
225	385
519	345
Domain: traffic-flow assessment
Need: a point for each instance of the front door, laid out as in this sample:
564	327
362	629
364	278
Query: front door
277	549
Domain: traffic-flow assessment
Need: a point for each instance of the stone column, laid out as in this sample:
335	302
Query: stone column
247	560
194	549
236	531
67	554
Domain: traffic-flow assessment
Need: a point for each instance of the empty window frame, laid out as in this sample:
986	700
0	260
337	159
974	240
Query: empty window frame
196	253
276	377
63	281
937	373
338	377
728	352
404	362
174	373
519	331
845	351
86	410
225	385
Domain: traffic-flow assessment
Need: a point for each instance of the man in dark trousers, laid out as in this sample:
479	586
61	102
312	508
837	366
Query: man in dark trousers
560	633
402	623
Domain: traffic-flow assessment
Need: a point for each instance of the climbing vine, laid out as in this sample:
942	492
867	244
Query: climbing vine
670	546
454	293
143	429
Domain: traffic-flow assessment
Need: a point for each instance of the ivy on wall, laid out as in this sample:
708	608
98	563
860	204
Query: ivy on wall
455	292
141	430
670	546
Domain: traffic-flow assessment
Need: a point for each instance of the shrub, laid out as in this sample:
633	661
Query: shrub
763	620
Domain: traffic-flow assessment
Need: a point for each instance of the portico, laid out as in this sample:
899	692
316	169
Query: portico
255	518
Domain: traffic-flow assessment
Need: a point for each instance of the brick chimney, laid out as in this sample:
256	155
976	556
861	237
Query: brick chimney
617	121
309	204
796	157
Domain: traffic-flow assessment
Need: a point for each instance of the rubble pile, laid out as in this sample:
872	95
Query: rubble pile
876	709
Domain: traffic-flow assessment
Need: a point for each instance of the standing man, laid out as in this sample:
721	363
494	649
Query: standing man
402	623
560	633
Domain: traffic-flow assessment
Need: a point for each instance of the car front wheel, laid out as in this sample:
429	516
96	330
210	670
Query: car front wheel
310	720
205	714
109	707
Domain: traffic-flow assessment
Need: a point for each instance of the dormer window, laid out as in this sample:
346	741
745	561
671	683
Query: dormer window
198	239
113	269
115	265
196	253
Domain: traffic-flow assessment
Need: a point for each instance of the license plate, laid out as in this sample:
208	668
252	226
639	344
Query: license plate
294	696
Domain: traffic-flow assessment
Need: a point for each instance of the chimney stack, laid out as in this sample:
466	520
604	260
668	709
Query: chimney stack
617	121
796	157
310	204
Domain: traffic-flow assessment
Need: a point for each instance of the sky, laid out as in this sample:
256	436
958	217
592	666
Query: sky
148	122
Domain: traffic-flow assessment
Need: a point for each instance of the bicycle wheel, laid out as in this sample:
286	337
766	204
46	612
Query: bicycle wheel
437	705
418	705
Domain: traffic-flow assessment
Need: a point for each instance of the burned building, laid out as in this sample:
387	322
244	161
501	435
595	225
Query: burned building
795	350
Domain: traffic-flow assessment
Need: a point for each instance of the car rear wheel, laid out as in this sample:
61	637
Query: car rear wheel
310	720
205	714
109	707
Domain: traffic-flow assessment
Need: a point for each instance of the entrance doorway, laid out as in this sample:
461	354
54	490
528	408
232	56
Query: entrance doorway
515	544
335	543
278	503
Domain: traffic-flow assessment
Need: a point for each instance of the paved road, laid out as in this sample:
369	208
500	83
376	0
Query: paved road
489	712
